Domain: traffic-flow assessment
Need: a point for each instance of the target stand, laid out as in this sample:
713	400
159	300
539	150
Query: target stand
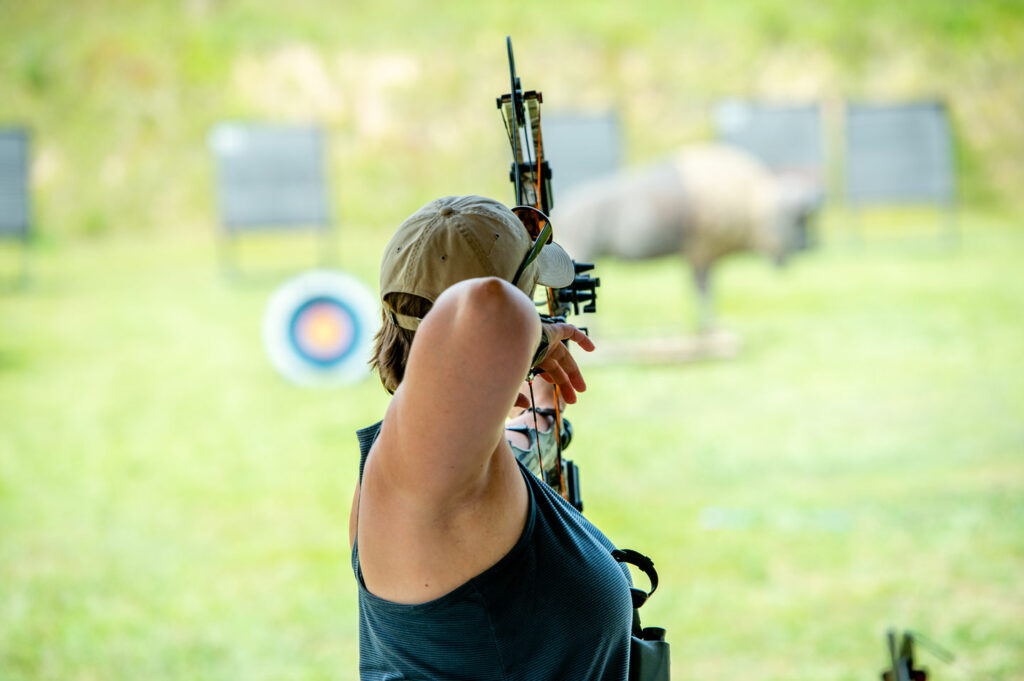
318	329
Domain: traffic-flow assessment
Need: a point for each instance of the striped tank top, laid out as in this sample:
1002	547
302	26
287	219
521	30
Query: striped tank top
556	606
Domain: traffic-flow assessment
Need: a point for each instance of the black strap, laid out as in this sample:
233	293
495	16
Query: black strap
646	565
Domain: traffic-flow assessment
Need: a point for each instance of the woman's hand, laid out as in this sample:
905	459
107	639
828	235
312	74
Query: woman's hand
558	365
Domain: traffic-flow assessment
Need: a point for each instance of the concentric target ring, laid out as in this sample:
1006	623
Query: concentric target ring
318	329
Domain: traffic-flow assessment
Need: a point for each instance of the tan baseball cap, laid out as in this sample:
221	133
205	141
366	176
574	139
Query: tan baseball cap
462	237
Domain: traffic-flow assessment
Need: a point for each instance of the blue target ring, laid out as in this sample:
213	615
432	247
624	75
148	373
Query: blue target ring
323	329
317	328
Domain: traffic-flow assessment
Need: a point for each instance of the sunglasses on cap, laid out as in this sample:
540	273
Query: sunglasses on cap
538	226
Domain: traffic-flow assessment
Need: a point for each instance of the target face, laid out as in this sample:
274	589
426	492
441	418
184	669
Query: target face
318	328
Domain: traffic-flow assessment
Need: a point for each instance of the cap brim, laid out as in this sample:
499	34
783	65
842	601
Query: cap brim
554	267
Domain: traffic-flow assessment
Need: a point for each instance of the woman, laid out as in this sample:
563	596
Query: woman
470	567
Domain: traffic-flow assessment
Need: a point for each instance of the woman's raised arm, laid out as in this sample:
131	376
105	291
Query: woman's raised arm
467	361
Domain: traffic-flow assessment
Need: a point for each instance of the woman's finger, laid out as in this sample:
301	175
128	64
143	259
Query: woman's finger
559	331
581	339
565	389
554	373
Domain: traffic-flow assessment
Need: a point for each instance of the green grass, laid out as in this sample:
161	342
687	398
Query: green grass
171	509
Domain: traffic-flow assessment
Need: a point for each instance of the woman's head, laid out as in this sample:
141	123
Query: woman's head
447	241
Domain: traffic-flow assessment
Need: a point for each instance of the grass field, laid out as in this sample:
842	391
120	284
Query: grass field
171	509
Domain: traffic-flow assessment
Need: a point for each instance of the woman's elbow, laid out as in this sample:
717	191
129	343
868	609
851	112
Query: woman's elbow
491	310
502	304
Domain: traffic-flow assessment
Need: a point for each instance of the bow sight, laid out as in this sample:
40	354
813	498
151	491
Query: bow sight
580	295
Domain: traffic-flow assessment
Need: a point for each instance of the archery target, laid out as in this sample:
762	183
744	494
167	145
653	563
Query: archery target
318	329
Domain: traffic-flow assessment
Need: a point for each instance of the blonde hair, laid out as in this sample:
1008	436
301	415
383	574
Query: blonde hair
392	343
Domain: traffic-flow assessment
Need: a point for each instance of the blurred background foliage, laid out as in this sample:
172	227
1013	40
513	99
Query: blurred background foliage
120	95
171	509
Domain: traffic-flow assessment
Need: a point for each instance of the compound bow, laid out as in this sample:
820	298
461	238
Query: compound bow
531	176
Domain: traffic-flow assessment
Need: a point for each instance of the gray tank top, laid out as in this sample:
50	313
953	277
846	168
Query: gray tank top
556	606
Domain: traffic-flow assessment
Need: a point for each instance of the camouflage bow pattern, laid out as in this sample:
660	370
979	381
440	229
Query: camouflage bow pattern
531	175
